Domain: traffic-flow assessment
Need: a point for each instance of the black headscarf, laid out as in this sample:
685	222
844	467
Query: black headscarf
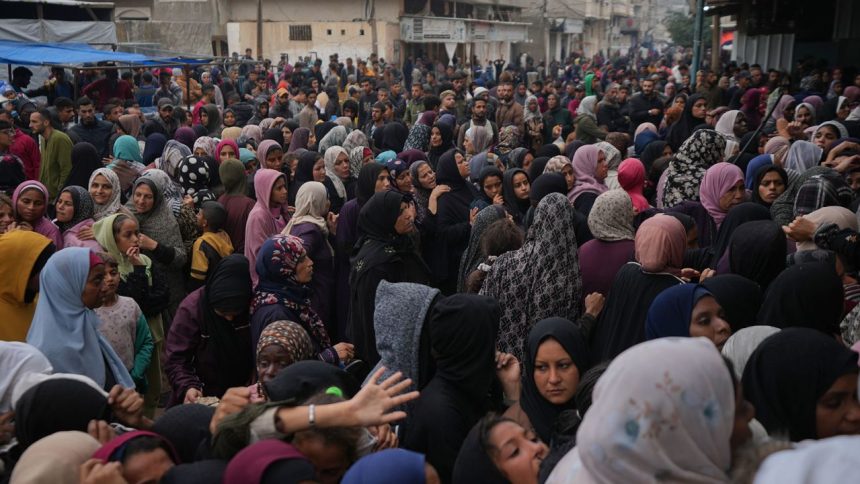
787	374
571	148
153	148
200	472
85	160
685	126
187	428
807	295
757	251
228	289
760	174
305	167
56	405
394	136
487	172
548	151
651	152
537	167
545	184
304	379
322	129
447	134
738	215
516	207
275	134
542	413
739	297
448	174
366	185
743	158
151	127
474	463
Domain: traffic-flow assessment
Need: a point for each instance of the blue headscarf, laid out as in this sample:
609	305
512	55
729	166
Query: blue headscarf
670	313
126	148
386	156
65	330
643	139
387	466
753	167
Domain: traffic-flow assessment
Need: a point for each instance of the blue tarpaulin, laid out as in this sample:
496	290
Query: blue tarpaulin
43	54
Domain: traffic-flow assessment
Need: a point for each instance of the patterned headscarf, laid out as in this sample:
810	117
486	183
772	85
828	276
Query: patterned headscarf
824	190
113	204
193	174
83	206
289	336
611	216
208	145
171	157
699	152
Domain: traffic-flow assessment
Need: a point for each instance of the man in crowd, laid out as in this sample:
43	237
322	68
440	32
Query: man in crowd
91	129
56	150
646	106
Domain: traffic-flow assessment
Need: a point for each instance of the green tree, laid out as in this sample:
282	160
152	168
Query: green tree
680	27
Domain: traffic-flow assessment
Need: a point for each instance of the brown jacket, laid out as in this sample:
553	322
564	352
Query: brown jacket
510	114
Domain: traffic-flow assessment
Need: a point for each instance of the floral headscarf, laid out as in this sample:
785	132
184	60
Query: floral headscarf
207	143
699	152
611	216
289	336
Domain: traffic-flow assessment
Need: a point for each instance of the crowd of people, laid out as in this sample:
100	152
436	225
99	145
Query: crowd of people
597	270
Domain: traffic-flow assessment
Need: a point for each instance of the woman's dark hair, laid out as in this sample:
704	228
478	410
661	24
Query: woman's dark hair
486	426
344	438
139	446
500	237
5	200
117	223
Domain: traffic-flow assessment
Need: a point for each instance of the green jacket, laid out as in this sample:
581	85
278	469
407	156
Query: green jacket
587	130
56	161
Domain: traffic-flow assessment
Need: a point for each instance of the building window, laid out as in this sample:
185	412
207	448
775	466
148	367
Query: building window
342	31
301	32
328	32
361	32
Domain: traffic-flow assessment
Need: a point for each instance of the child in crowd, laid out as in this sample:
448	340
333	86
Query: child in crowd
210	247
124	326
7	217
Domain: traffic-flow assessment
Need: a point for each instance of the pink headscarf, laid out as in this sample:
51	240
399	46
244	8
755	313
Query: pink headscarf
718	180
660	243
584	166
816	102
223	143
631	177
263	150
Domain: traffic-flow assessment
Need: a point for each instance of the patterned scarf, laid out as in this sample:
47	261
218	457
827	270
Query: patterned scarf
698	153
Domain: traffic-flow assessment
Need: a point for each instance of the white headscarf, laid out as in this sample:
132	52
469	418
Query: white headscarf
662	411
586	106
726	125
330	158
741	345
16	360
310	207
802	156
835	459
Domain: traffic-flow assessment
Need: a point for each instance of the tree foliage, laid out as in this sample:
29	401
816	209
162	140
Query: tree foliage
680	27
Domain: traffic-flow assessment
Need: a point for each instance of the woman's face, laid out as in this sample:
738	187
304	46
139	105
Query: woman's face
556	376
837	411
771	187
204	118
462	165
825	136
404	181
65	207
229	119
227	152
521	186
667	151
128	235
199	151
31	205
143	198
270	361
341	166
94	294
426	177
844	111
734	196
680	102
275	159
517	452
319	170
312	139
288	135
468	145
279	192
382	182
853	180
707	320
147	466
329	459
6	217
740	127
552	101
435	137
700	108
602	169
492	186
803	116
569	176
304	270
527	162
405	221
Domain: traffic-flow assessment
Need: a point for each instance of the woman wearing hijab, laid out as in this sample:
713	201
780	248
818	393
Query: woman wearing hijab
235	201
802	156
127	162
462	331
631	177
56	458
85	160
30	206
75	213
739	297
515	191
682	178
393	137
310	223
65	327
310	167
804	384
153	147
722	188
757	251
423	190
841	217
751	106
654	150
160	238
270	460
283	294
269	215
585	123
641	392
335	137
541	279
253	132
613	159
300	140
659	252
210	119
822	190
694	114
24	254
385	251
391	466
732	125
589	169
807	295
281	344
441	140
472	256
611	224
208	348
170	159
452	219
556	356
770	181
737	216
339	185
419	134
193	175
687	310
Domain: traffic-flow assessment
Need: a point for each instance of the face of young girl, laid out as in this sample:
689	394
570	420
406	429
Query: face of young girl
226	153
128	235
6	217
31	205
279	192
111	282
274	160
65	207
319	170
